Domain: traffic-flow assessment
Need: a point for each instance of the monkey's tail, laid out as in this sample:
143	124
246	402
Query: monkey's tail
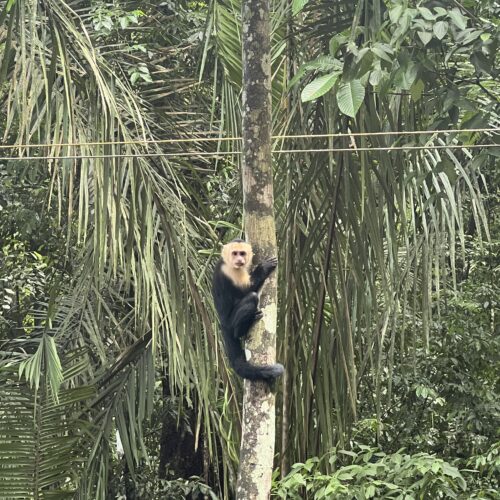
245	369
268	373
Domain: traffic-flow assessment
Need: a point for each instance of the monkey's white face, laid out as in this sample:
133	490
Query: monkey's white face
239	258
237	255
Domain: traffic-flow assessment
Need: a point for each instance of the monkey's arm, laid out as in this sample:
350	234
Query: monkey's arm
262	272
223	297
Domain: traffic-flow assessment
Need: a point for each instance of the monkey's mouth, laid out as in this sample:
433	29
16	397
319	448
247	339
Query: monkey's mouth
239	264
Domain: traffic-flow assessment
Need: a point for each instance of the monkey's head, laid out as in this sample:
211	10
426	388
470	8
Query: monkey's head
237	254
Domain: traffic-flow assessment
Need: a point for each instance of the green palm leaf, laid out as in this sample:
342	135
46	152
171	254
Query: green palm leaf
350	96
41	438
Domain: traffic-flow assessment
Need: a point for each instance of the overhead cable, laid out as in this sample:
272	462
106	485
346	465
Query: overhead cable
145	142
229	153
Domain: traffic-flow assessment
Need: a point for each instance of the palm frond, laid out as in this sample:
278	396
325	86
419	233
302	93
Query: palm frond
41	437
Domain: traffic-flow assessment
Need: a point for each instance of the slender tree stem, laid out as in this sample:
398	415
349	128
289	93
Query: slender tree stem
258	425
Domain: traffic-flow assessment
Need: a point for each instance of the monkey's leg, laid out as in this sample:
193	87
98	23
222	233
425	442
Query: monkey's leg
245	315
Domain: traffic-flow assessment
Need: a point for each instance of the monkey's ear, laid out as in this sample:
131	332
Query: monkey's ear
225	252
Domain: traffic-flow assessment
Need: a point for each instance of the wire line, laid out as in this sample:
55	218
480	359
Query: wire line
220	139
226	153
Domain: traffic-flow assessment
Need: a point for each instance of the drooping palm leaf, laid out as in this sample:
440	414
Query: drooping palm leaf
41	437
138	223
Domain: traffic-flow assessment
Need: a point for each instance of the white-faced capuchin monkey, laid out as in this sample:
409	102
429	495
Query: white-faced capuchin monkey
235	292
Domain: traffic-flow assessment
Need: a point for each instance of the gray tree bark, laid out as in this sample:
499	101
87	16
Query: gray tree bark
258	425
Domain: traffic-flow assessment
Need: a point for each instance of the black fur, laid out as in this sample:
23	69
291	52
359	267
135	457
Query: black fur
238	310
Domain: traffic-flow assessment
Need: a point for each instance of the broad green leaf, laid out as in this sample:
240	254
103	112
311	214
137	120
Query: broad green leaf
336	41
370	491
344	476
350	96
322	63
319	87
406	75
403	25
426	13
458	19
395	13
380	52
440	29
449	470
362	53
376	76
134	77
298	5
468	36
349	453
436	467
417	89
425	36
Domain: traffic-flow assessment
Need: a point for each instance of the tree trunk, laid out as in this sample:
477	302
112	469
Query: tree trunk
258	426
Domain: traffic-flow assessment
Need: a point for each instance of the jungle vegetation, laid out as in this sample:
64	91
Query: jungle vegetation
119	179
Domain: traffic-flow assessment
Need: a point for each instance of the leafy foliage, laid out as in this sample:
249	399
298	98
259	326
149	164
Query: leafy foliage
42	439
373	474
450	403
416	48
388	302
483	472
121	273
31	246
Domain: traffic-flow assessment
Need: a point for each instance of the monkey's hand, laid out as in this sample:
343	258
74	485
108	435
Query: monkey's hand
258	315
269	265
261	272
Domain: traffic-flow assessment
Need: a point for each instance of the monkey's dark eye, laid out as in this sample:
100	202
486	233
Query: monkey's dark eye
234	253
243	254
